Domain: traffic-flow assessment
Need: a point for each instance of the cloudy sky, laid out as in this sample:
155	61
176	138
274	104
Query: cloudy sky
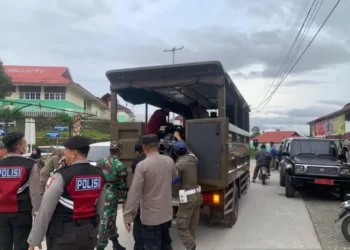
248	37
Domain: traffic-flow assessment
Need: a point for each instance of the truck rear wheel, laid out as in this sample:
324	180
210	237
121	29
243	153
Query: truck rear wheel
290	189
234	215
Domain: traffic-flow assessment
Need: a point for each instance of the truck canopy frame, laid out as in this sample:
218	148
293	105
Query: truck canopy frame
176	86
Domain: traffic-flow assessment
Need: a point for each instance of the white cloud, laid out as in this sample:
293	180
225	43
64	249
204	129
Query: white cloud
91	37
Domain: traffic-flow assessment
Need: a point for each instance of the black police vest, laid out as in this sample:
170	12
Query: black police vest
83	185
14	184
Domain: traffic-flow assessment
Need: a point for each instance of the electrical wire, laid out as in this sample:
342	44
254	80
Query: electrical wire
308	26
302	54
285	44
300	42
282	68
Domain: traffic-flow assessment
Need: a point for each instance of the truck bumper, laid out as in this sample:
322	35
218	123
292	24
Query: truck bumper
306	180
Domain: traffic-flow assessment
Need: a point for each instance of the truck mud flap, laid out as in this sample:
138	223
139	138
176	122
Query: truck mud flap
244	183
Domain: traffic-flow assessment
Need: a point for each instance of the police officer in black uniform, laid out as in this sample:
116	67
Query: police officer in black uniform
19	193
72	204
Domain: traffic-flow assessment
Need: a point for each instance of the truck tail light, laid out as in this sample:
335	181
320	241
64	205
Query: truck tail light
216	198
213	198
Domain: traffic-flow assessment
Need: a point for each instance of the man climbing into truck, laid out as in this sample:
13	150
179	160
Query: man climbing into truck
157	120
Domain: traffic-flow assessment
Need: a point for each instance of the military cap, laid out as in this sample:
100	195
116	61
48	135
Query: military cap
115	145
77	142
149	139
2	145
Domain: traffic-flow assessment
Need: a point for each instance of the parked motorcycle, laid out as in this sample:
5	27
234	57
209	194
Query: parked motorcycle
263	175
345	206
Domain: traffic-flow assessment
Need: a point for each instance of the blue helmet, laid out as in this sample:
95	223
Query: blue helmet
180	146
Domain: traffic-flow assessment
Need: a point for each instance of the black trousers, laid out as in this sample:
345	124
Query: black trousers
76	235
137	233
157	237
257	168
14	230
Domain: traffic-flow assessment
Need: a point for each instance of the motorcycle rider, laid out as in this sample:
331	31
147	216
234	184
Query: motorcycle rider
262	158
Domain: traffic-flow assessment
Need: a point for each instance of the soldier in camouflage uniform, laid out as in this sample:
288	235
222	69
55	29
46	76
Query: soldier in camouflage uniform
116	191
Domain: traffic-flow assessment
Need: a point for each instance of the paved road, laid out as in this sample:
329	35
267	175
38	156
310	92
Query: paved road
267	220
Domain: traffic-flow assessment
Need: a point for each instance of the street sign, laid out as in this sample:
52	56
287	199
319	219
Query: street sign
61	128
53	134
2	132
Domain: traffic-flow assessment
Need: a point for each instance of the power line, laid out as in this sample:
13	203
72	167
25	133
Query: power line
173	50
282	68
302	54
285	45
300	42
306	31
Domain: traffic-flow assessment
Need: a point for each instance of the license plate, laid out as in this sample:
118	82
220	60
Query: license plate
324	182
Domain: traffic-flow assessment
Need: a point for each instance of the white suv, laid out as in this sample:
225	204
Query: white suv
97	151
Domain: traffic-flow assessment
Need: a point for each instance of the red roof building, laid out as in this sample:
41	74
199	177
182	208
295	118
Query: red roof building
178	120
52	87
37	74
275	136
121	110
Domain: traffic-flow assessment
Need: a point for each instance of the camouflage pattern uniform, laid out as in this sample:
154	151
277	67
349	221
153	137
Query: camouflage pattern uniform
116	191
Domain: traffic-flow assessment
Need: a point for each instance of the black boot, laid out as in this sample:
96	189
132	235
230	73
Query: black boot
117	246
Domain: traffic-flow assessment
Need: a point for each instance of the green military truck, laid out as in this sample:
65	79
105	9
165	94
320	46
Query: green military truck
220	143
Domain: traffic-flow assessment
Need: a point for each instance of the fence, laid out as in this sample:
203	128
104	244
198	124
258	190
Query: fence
61	121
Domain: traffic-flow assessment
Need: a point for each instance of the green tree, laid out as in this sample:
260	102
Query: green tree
6	84
11	114
255	131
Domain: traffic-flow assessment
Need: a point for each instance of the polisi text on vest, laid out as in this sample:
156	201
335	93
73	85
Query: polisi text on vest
83	184
8	172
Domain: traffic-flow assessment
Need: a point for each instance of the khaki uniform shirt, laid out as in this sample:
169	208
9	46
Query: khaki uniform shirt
186	167
151	188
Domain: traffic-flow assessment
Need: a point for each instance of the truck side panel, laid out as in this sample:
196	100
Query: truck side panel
207	139
127	133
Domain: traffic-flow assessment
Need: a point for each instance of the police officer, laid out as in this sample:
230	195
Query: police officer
187	216
116	191
72	204
137	229
150	192
3	150
20	193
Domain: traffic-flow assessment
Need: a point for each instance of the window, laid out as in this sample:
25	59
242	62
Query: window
55	96
29	96
97	152
314	147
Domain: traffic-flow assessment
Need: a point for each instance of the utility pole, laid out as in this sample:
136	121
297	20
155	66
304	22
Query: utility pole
173	50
